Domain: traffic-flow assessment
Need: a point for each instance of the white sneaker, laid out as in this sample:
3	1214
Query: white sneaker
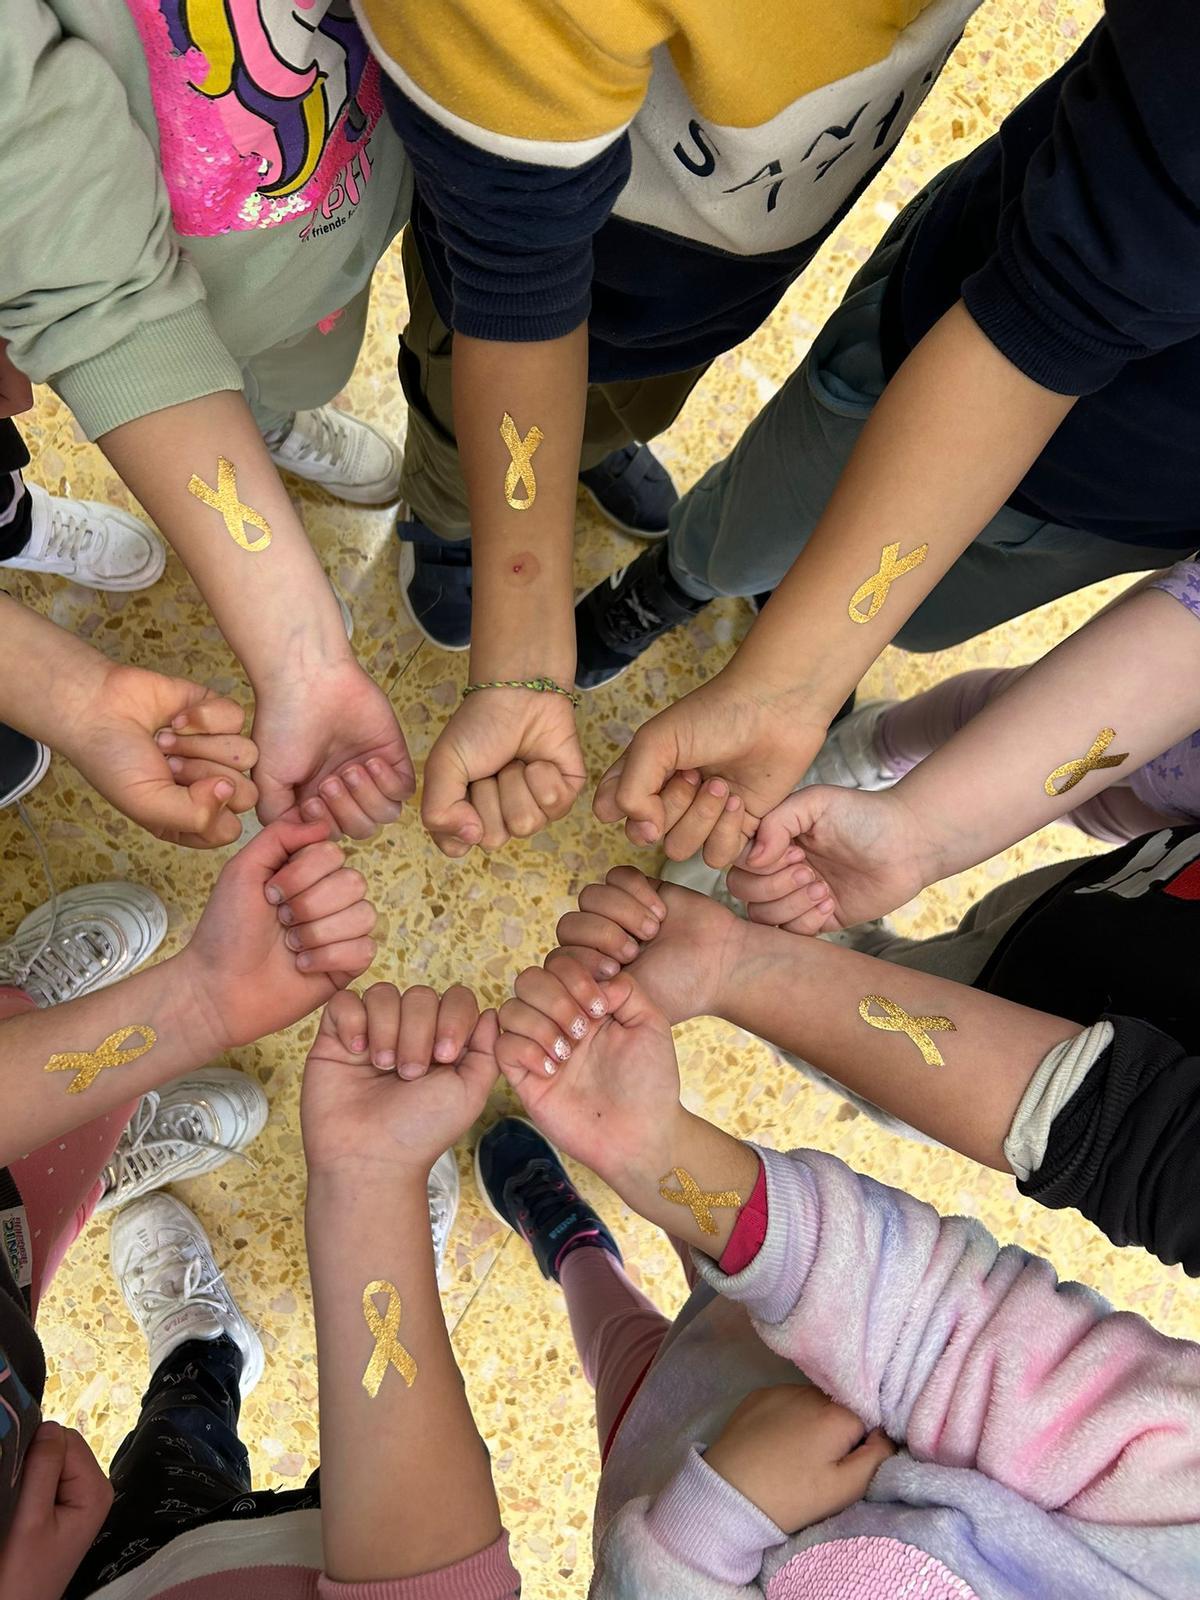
350	458
190	1128
88	938
92	544
164	1266
443	1190
851	757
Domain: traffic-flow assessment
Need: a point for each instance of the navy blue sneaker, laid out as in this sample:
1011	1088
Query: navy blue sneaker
624	614
435	580
521	1180
633	489
23	765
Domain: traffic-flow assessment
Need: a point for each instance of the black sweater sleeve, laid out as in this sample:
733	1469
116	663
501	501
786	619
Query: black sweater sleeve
1125	1149
1098	258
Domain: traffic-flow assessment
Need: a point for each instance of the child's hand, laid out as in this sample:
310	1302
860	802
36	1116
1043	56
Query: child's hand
62	1502
681	947
287	926
167	753
396	1078
797	1455
603	1088
696	814
830	858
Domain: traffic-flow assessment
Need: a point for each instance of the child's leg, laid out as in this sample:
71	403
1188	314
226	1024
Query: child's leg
61	1183
15	511
617	1331
308	371
913	729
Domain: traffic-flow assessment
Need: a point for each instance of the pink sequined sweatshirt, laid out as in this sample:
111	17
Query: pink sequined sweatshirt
1050	1446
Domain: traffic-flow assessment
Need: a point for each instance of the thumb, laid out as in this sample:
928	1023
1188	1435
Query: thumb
652	757
630	1005
479	1066
446	812
274	798
275	845
42	1470
791	818
858	1468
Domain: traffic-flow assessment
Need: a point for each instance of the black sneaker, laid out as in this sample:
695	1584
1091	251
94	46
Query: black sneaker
522	1181
435	580
624	614
633	489
23	765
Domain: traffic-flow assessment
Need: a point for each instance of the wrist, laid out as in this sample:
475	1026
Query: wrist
921	836
199	1008
344	1186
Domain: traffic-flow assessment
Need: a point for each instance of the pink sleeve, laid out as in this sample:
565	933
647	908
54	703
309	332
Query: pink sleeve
749	1231
972	1355
488	1575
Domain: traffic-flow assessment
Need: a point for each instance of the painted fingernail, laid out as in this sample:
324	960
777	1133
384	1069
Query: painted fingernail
650	927
384	1058
629	950
597	1007
304	961
608	968
578	1028
223	790
561	1048
287	916
353	777
357	1046
548	1067
273	894
445	1050
175	764
292	939
411	1069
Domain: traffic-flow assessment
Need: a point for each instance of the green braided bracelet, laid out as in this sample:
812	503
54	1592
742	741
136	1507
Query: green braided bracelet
538	685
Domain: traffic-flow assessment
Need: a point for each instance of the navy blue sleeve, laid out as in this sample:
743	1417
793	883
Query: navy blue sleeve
1098	259
516	237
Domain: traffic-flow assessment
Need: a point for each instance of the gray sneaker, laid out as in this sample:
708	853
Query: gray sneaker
183	1131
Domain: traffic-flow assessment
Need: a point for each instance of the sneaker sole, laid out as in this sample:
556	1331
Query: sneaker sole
408	568
481	1187
634	533
145	579
35	777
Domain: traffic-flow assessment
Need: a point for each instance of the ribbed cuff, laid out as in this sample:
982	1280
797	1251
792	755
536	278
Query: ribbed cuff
165	363
1052	1085
772	1283
703	1521
1010	311
489	1575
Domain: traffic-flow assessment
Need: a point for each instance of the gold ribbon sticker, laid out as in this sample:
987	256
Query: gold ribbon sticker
389	1352
896	1020
236	514
87	1065
521	470
1075	771
878	584
700	1203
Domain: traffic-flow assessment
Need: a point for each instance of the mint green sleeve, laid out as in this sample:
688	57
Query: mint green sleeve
96	297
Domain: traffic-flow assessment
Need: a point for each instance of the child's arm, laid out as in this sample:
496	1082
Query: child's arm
1109	698
235	981
164	751
406	1484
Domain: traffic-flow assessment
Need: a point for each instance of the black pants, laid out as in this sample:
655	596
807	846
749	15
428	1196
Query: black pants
15	514
182	1467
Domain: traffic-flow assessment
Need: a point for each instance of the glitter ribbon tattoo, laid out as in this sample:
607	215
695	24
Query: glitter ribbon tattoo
877	585
896	1020
521	470
698	1201
87	1065
236	514
1075	771
389	1352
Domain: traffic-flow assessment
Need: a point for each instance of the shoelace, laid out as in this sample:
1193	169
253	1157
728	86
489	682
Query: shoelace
328	445
69	533
543	1195
196	1287
154	1140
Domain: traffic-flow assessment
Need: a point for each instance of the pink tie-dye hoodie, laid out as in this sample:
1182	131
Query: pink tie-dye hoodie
1050	1446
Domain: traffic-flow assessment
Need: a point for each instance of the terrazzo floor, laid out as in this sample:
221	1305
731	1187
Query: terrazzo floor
480	921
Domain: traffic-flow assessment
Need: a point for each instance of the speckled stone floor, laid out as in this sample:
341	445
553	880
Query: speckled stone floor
481	920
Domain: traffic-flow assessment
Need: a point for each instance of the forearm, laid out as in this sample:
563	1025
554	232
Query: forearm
1100	705
406	1485
803	995
521	490
719	1166
69	1064
950	438
272	601
34	653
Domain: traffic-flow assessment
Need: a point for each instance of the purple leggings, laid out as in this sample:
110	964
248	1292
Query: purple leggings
1166	791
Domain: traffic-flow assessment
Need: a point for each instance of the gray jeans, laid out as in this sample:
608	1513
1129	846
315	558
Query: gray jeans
739	530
